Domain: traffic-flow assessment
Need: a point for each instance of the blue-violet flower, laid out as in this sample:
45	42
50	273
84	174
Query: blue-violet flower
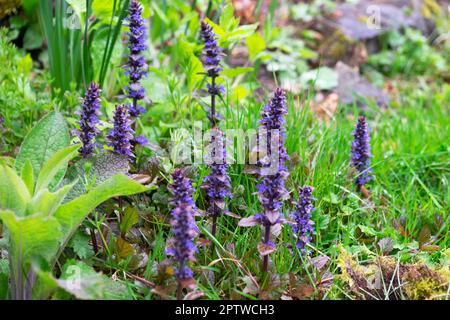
121	135
361	152
89	119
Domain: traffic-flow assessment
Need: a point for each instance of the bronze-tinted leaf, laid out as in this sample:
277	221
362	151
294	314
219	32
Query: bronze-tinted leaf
141	178
248	222
265	249
320	262
303	291
188	283
123	248
424	236
386	245
193	295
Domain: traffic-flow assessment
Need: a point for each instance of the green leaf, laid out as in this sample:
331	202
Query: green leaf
14	194
25	65
123	248
28	176
103	9
234	72
227	16
54	165
255	44
80	245
71	214
218	30
240	33
48	136
130	218
7	161
104	166
33	38
84	282
31	236
322	78
46	202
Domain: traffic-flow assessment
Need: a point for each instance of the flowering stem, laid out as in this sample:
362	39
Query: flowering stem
213	101
214	226
266	257
94	240
134	125
179	292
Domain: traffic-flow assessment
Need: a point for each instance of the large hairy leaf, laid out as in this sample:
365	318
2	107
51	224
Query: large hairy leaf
71	214
103	167
48	136
30	236
54	165
14	194
83	282
46	202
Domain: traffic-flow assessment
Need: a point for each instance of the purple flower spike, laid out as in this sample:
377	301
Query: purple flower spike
303	225
212	53
121	135
272	169
182	246
136	66
272	190
217	183
89	119
361	152
181	189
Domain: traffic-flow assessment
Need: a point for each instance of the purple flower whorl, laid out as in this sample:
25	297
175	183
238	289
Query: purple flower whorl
182	246
121	135
271	190
217	183
361	152
136	66
303	225
211	52
89	119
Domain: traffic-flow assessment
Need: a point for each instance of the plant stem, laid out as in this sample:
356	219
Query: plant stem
180	286
266	257
208	10
94	240
213	231
134	124
213	102
179	292
214	226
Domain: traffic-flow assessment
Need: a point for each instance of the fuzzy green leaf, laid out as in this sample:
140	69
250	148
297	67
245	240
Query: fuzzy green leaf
71	214
14	194
46	202
54	165
31	236
48	136
28	176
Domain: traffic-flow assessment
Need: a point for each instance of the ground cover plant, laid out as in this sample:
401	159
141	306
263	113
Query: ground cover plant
224	150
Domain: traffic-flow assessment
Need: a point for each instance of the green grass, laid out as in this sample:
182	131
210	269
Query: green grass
410	146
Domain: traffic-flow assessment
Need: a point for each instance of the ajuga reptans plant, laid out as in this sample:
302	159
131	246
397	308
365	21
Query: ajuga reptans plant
211	58
302	223
217	183
181	246
88	120
361	155
272	171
